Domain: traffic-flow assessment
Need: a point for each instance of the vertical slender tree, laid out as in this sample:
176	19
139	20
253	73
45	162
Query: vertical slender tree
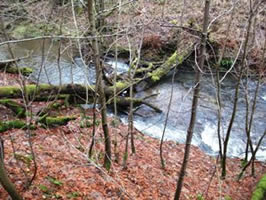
116	120
100	85
249	120
4	180
194	100
171	94
252	12
218	84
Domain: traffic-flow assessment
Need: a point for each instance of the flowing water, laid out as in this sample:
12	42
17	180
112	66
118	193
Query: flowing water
47	69
205	132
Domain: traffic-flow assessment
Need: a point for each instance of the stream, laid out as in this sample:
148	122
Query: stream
47	70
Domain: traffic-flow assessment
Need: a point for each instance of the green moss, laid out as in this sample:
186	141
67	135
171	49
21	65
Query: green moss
157	74
54	181
85	124
243	163
42	87
73	195
174	21
4	126
44	188
27	159
30	89
226	63
16	124
260	191
57	121
180	59
17	108
97	122
145	69
125	157
200	197
227	198
26	71
8	90
121	85
172	60
56	105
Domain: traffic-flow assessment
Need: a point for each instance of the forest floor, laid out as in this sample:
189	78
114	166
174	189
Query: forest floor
65	172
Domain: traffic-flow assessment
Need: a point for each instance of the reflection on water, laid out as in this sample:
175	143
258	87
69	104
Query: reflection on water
47	70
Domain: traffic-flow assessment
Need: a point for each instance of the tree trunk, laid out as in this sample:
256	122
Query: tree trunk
4	180
242	66
218	85
194	101
252	157
100	86
79	91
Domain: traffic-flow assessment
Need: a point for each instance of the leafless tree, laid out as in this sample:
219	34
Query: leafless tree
218	84
194	100
252	12
4	180
100	86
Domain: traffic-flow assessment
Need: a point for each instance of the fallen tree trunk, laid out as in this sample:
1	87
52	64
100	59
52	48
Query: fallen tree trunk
4	126
56	121
77	90
45	121
47	90
42	90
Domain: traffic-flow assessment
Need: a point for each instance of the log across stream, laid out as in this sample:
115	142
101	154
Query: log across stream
150	122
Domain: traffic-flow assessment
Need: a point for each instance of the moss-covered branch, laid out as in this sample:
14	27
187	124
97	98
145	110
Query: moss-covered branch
171	62
44	90
56	121
4	126
45	120
17	108
260	191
